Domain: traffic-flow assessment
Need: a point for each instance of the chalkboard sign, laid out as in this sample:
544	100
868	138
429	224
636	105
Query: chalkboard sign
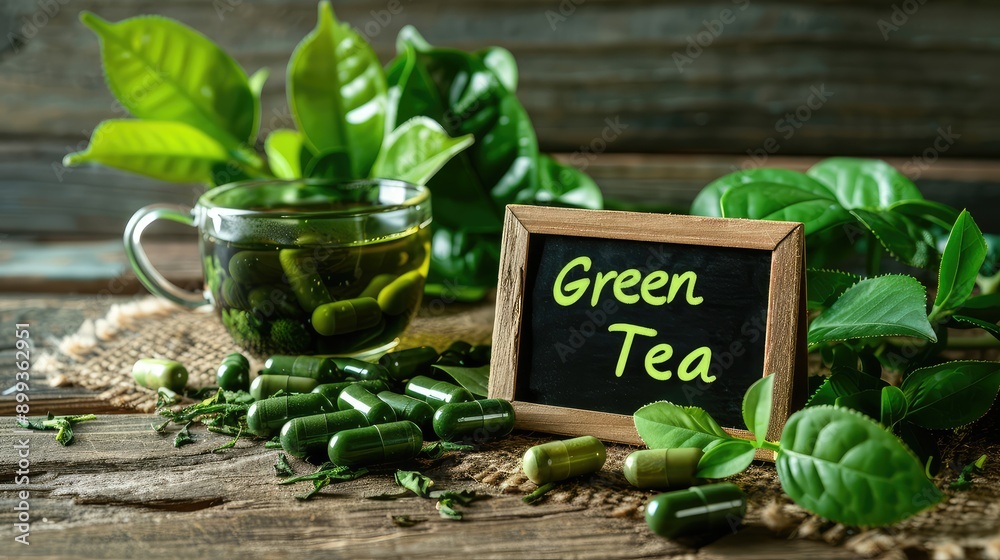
602	312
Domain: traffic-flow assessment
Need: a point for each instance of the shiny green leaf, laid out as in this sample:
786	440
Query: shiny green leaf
892	305
416	150
757	407
901	237
893	406
499	61
475	379
864	183
963	256
771	201
868	403
709	199
951	394
256	82
284	149
564	185
840	465
664	425
725	458
823	287
964	321
926	211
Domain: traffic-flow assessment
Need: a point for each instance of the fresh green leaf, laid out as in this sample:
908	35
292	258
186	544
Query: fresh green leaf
823	287
951	394
284	149
416	150
63	425
170	151
901	237
160	69
282	468
771	201
256	82
847	381
563	185
183	437
991	328
539	493
890	305
463	261
867	402
499	61
982	307
334	165
926	211
960	263
840	465
709	200
893	406
964	480
447	510
414	482
337	92
725	458
664	425
864	183
475	379
757	408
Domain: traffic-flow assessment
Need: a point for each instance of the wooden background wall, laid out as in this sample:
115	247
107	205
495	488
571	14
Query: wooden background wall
582	63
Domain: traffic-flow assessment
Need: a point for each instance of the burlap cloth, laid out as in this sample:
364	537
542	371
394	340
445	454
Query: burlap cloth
100	353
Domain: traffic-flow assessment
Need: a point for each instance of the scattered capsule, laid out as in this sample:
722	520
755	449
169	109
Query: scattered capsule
360	369
153	373
662	468
346	316
256	267
306	283
403	294
266	385
456	354
477	420
309	435
266	417
713	508
332	390
323	370
437	393
409	408
404	364
559	460
233	294
362	400
376	285
394	441
234	373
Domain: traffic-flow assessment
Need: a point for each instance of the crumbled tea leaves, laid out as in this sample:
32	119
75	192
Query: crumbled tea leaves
436	449
165	397
463	498
64	425
445	507
231	443
326	474
282	468
405	520
184	437
538	494
389	497
414	482
965	478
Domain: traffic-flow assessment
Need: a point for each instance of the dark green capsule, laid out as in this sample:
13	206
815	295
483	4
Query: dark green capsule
404	364
266	417
358	398
713	508
403	294
409	408
266	385
477	421
456	354
299	266
346	316
256	267
559	460
395	441
377	283
309	435
332	390
234	373
360	369
323	370
154	373
437	393
660	469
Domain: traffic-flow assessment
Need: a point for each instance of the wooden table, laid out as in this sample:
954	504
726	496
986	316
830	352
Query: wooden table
123	491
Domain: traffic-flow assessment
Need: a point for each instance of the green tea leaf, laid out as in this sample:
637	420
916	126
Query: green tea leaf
475	379
991	328
927	211
771	201
864	183
960	262
903	239
725	458
183	437
160	69
982	307
499	61
893	406
664	425
757	407
462	498
446	509
284	149
334	165
964	480
564	185
709	199
414	482
890	305
840	465
867	402
847	381
170	151
823	287
416	150
282	468
951	394
337	92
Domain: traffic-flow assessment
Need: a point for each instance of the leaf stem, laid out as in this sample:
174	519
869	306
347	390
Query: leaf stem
771	446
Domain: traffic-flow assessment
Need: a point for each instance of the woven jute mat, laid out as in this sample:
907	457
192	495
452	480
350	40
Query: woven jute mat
99	355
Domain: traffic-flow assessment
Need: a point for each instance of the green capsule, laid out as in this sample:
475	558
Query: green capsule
360	369
395	441
404	364
437	393
309	435
456	354
323	370
713	508
409	408
376	285
346	316
662	468
266	385
559	460
362	400
403	294
153	373
477	421
256	267
332	390
234	373
266	417
306	283
233	294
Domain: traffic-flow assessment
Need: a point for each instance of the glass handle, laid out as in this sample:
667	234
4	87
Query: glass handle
149	276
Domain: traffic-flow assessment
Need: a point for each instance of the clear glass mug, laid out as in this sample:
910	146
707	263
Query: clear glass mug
303	266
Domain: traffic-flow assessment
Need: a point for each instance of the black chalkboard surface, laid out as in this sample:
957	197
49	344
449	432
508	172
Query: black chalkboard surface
600	313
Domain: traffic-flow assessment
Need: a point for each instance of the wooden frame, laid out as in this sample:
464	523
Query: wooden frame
784	354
